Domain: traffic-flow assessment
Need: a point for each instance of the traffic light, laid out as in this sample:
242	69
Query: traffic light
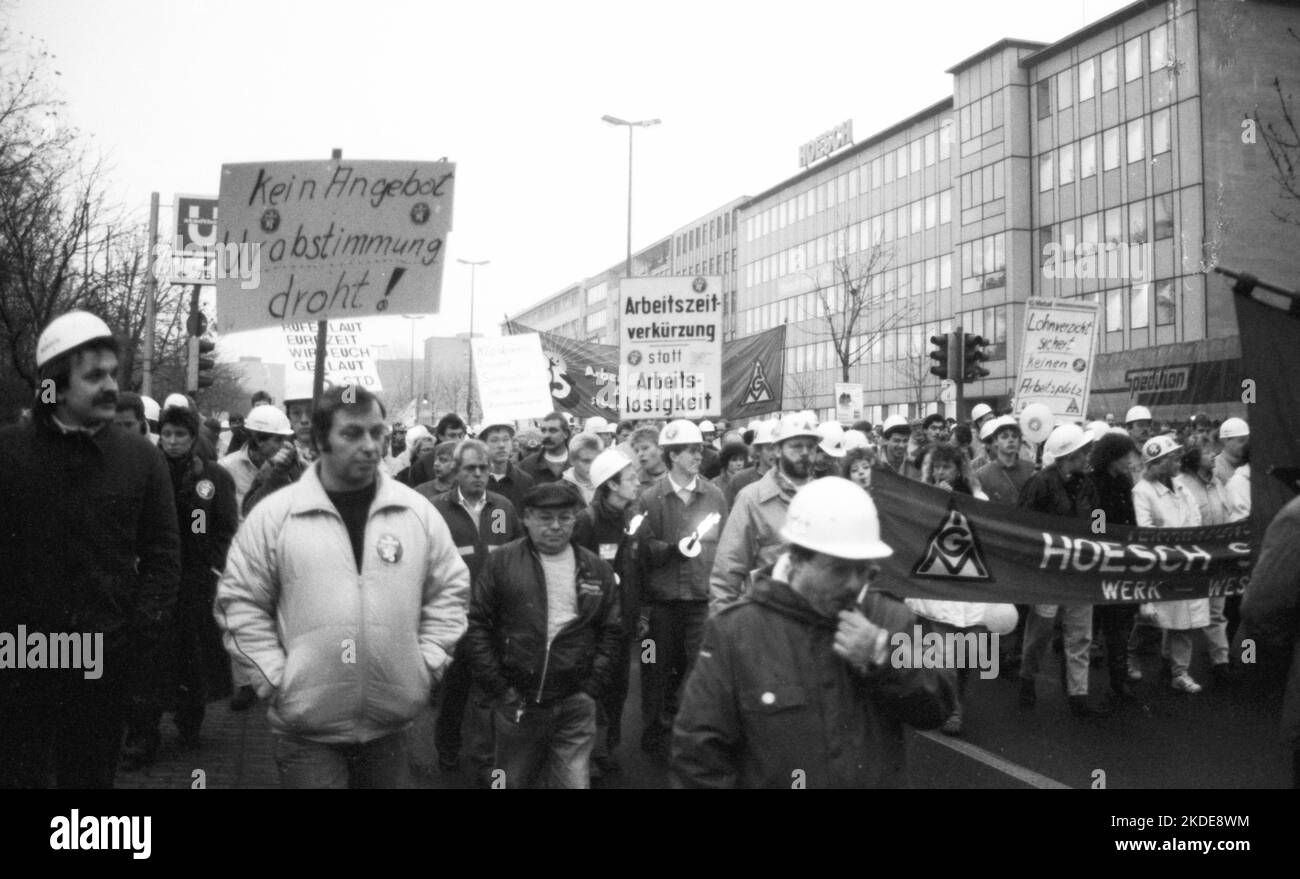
200	363
940	356
972	357
206	363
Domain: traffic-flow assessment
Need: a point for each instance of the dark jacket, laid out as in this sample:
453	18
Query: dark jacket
511	486
507	643
669	575
88	543
1048	492
745	477
769	699
603	530
711	464
536	468
1270	610
270	480
1115	497
497	526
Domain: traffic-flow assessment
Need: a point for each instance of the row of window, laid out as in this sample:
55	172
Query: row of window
718	227
714	265
1107	63
1057	166
859	180
1139	303
925	213
984	263
1124	224
550	309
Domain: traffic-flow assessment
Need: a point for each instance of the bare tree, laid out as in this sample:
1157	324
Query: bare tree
1282	139
914	372
800	390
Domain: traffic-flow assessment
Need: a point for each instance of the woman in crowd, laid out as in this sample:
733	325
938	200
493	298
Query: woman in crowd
734	457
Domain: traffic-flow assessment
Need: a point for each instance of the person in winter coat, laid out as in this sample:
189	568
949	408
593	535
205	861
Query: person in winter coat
795	684
198	668
1196	476
1112	463
544	639
344	595
88	549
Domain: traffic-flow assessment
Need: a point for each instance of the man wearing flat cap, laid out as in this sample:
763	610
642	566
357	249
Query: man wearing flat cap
544	640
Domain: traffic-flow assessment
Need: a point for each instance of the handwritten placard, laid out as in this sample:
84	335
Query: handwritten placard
509	389
349	356
1057	355
311	241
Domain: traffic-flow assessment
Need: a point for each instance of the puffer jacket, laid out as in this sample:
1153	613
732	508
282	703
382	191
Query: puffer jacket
670	575
769	699
507	639
348	656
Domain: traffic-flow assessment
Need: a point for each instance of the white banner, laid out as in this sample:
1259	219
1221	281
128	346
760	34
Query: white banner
848	403
670	347
508	389
1057	355
310	241
349	357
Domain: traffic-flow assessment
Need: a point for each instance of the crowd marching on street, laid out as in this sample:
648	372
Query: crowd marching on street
344	573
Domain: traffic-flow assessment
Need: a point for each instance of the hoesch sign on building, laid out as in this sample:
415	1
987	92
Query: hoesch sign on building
824	144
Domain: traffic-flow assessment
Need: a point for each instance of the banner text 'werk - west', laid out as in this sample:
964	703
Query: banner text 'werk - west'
331	239
670	347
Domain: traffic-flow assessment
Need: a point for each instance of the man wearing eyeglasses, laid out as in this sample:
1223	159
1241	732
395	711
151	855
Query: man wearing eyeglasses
544	639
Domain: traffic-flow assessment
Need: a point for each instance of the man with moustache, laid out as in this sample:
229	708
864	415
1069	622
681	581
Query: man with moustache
549	462
88	544
752	536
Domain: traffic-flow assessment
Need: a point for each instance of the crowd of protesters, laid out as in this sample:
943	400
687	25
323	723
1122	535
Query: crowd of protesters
357	571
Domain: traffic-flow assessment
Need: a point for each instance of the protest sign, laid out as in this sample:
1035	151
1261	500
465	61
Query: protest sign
509	389
1057	355
848	402
315	240
349	357
670	347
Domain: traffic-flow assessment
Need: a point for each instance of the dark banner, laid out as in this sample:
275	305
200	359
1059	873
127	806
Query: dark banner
954	547
1269	383
583	375
753	375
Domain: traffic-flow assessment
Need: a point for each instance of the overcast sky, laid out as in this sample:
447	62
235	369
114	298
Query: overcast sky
169	90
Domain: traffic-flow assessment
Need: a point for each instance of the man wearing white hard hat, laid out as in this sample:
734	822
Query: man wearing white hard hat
980	414
90	551
1234	435
764	453
830	449
1062	488
711	465
794	685
752	536
896	432
601	428
684	513
1138	424
1005	475
606	528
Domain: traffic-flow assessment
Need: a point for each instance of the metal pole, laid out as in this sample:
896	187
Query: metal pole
322	337
469	351
150	289
629	201
414	395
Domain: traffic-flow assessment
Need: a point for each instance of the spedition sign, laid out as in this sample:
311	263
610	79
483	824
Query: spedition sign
670	347
954	547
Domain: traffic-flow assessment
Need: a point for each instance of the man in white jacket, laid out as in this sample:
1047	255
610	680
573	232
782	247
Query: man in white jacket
344	595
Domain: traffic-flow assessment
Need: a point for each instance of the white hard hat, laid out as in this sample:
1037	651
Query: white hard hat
855	439
798	424
763	432
832	439
495	425
993	425
1100	428
980	411
269	419
178	401
607	464
1158	447
680	433
151	409
896	422
1066	439
597	424
1233	427
706	426
836	517
1137	413
66	332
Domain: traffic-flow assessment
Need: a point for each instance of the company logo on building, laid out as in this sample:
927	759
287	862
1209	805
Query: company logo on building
1158	379
953	552
826	143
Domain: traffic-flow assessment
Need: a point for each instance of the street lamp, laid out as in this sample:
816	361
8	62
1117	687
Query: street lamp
414	396
640	123
469	393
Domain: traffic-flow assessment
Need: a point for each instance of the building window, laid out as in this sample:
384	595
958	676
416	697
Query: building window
931	144
917	216
1137	222
1065	164
853	181
915	156
945	272
1044	98
596	320
890	159
1045	172
900	162
983	263
1114	310
1088	230
1158	48
1110	149
945	139
1135	141
1064	89
1160	132
1087	79
877	173
1112	229
931	275
1164	216
1088	156
1139	306
1166	304
842	183
1109	69
945	206
1132	59
931	211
